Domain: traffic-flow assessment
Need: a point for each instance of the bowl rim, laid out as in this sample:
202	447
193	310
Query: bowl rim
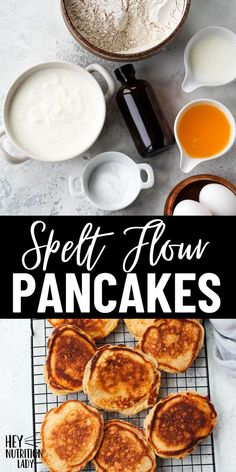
118	57
212	178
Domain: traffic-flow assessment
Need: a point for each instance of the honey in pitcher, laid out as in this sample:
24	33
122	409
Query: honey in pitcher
204	130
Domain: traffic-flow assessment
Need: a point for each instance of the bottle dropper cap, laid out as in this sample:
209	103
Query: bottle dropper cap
123	73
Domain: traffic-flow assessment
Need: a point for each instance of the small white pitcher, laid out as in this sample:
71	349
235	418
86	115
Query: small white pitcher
188	163
190	82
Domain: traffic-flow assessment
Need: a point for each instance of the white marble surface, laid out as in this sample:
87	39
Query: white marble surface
15	395
33	31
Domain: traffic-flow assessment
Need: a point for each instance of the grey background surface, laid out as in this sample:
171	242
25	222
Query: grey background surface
33	31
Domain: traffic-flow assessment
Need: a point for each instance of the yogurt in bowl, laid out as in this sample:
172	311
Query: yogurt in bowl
55	111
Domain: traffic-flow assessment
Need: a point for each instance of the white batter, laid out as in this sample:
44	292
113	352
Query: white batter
56	113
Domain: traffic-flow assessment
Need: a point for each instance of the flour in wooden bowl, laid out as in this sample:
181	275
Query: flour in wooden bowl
125	26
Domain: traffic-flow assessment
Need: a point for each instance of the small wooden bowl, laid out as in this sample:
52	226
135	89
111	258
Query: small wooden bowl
190	188
111	56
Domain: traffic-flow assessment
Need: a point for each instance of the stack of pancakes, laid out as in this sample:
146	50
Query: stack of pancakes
117	378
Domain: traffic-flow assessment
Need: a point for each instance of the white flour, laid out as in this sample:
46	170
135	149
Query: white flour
109	184
125	25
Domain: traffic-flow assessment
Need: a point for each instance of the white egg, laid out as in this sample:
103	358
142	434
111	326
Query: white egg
219	199
191	208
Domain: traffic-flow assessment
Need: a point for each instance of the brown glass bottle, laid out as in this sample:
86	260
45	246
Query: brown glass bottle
144	118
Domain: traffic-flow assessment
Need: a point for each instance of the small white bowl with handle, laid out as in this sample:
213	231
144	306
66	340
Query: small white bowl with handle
54	111
111	181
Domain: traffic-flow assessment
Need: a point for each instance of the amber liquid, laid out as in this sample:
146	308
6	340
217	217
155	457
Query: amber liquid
147	124
204	131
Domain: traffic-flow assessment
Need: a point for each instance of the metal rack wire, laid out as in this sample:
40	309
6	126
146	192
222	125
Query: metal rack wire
196	378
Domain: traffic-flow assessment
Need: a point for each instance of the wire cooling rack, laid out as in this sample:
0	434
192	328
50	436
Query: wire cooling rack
196	378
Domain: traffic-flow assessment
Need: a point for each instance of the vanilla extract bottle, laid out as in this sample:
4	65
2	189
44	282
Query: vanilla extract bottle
142	113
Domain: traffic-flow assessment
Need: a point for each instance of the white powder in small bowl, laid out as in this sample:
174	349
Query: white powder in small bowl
110	185
125	26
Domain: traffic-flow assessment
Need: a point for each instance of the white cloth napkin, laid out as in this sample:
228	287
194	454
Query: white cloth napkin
225	337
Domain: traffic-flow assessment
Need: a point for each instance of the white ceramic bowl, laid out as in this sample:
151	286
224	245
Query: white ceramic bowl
121	176
7	132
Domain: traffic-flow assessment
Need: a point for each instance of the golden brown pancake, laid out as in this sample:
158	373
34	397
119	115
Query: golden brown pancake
119	378
96	328
178	423
124	448
70	436
69	350
174	343
137	326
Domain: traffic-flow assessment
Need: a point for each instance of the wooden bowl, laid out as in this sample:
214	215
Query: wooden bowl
190	188
119	57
